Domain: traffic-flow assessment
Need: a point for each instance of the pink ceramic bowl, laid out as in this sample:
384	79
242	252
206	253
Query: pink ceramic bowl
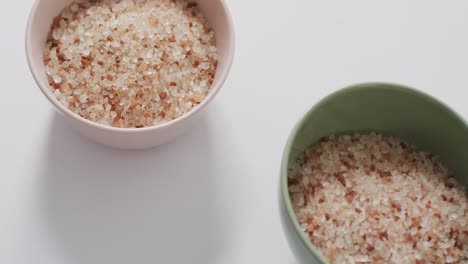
40	20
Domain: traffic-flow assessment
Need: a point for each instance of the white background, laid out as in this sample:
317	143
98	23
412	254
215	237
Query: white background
211	196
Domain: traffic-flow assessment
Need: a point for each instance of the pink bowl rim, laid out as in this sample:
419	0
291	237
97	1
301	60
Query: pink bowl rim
215	88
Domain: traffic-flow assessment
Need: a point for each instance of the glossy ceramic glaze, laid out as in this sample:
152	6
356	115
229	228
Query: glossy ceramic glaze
37	30
387	108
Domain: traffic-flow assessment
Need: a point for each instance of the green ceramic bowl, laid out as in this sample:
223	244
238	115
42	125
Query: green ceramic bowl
387	108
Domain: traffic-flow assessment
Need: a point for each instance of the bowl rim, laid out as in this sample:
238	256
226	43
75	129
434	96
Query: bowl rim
215	88
289	144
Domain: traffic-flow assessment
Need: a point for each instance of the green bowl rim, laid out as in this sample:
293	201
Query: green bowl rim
288	147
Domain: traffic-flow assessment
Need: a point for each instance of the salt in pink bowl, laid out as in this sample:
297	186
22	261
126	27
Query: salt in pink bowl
38	27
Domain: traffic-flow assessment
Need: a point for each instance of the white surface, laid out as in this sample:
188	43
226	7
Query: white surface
211	196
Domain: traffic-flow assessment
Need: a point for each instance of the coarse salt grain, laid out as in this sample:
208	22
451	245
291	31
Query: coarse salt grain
123	54
57	79
392	203
83	98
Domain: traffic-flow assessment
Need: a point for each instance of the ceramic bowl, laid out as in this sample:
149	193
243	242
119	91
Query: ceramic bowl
387	108
38	27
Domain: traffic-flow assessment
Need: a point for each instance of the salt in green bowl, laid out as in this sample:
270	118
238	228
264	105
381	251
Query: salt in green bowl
382	107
